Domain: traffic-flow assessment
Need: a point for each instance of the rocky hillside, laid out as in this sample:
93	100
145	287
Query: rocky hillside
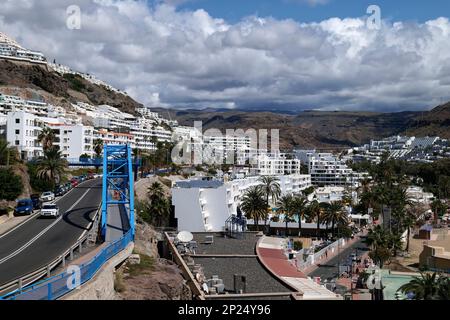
30	80
323	129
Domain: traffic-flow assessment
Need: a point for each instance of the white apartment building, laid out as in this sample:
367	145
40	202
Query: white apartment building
327	170
12	52
73	140
22	131
14	103
277	164
205	205
110	137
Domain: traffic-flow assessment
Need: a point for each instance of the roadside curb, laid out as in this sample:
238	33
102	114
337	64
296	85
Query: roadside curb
32	216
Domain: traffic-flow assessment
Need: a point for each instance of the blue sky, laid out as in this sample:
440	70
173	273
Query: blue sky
300	10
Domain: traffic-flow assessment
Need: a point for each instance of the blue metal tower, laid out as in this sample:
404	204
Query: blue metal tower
118	182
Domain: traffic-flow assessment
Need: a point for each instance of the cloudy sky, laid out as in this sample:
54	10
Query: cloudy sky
268	54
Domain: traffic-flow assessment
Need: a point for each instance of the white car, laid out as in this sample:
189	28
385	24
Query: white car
50	210
47	196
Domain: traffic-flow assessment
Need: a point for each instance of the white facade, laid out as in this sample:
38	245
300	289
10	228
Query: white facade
74	140
110	137
22	132
204	206
272	165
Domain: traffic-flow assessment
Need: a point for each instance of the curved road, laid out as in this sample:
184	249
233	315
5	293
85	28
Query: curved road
39	241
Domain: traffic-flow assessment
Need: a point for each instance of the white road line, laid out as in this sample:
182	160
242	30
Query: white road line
29	243
35	215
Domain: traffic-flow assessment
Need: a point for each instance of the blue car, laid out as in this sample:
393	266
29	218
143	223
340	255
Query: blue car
24	207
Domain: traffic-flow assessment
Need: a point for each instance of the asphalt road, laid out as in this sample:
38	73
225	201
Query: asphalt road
40	240
329	270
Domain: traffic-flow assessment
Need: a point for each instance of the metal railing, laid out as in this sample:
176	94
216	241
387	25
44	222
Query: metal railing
63	283
20	283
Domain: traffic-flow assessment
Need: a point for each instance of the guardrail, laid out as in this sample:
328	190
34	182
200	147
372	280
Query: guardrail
59	285
45	271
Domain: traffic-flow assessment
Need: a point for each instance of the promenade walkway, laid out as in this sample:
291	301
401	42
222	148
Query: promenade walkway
272	254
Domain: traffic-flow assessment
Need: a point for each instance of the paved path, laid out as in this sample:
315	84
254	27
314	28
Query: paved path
118	223
329	269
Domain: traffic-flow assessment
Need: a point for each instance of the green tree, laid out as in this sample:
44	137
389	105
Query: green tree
8	154
424	287
270	188
47	137
286	208
315	210
254	205
300	205
335	215
51	166
159	205
11	186
98	147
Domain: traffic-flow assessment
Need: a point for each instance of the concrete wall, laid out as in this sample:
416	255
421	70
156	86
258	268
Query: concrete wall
101	287
434	257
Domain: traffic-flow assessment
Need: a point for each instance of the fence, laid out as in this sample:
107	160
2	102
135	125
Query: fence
59	285
312	259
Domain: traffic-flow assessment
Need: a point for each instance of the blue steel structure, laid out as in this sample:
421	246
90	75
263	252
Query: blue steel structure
117	182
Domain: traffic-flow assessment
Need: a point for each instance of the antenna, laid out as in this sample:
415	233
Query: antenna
185	236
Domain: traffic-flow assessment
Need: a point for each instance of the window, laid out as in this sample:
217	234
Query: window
17	131
17	142
17	120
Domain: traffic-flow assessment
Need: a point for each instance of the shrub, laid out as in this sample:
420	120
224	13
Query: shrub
11	186
37	184
298	245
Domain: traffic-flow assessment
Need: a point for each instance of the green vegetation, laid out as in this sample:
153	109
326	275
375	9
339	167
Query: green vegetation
75	82
428	287
433	177
51	167
298	245
269	188
286	209
11	186
38	184
147	265
47	138
8	155
158	208
254	205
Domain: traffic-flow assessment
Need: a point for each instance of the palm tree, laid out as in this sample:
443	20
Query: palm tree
315	210
425	287
299	205
444	289
253	205
270	188
8	154
98	147
46	137
159	204
335	214
51	166
286	208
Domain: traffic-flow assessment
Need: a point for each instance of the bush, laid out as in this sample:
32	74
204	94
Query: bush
298	245
75	82
37	184
11	186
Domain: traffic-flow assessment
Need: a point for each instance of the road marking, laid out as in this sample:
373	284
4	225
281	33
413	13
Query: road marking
35	215
29	243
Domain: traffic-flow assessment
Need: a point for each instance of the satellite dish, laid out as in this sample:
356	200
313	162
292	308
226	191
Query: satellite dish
185	236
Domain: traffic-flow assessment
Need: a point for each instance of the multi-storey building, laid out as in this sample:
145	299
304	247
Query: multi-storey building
277	164
22	132
73	140
10	49
14	103
111	137
205	205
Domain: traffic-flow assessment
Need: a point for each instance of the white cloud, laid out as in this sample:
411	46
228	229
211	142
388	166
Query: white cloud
165	57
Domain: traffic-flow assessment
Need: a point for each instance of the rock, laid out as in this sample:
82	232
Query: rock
134	259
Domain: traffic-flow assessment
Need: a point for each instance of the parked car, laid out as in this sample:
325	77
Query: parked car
68	186
60	191
90	176
24	207
50	210
37	203
47	196
74	182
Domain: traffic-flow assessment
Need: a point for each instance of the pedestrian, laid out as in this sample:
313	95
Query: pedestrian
326	254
